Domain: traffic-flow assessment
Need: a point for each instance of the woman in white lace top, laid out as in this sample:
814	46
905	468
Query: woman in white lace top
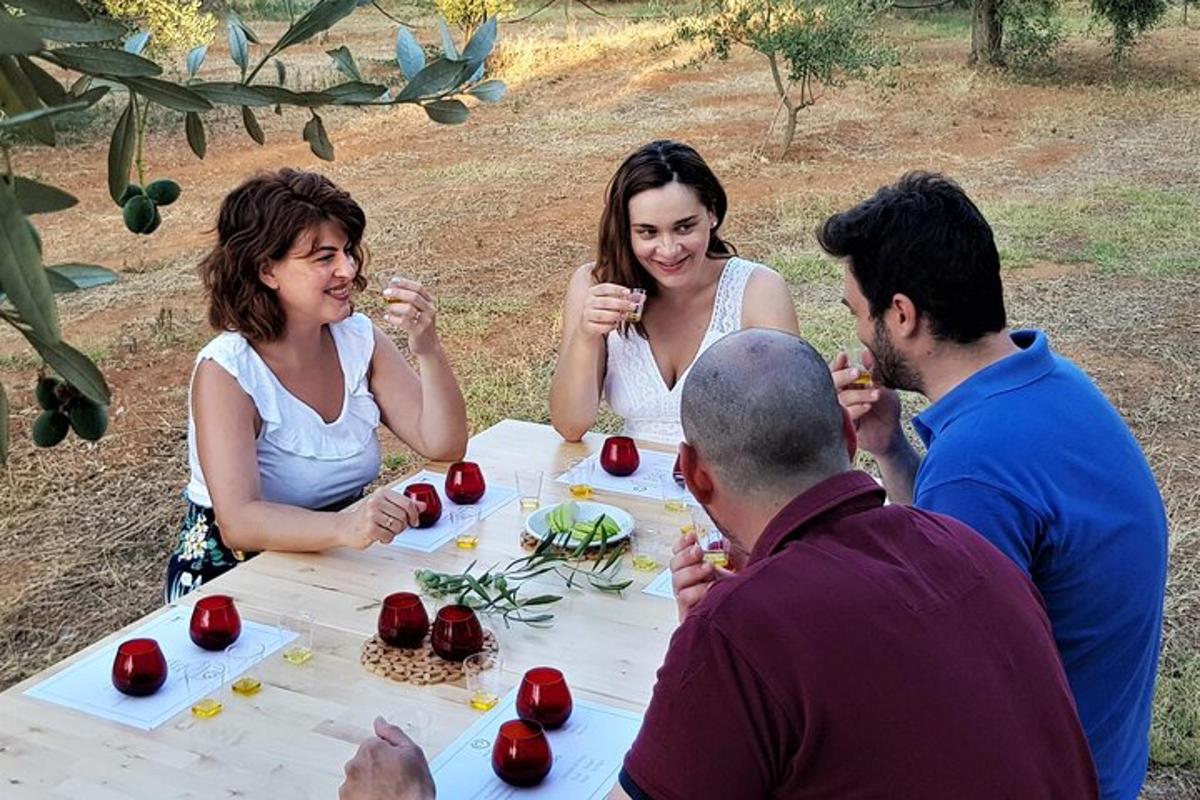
285	402
660	232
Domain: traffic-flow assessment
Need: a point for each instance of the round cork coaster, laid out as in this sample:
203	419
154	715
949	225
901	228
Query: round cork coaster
530	542
418	665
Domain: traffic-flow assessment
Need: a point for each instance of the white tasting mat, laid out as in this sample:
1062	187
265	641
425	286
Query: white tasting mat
588	752
426	540
645	482
661	586
87	685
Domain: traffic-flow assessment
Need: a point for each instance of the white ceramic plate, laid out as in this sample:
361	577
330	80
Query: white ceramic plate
536	525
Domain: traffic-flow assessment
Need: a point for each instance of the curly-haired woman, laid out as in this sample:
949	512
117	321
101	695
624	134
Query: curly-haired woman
285	401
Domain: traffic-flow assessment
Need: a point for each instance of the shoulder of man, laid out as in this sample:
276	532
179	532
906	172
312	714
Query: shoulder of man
748	600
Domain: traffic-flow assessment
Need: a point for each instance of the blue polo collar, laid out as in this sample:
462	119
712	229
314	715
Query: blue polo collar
1033	361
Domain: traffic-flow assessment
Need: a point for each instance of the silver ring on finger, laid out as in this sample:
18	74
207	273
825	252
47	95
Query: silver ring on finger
390	521
417	317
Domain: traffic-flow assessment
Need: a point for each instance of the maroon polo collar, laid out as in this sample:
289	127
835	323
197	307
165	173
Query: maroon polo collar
830	499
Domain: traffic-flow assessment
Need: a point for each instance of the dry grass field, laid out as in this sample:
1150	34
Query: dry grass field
1088	175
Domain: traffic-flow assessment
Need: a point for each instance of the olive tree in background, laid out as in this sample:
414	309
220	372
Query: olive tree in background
808	45
1035	27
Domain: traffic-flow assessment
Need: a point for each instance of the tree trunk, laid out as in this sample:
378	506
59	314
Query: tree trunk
792	109
987	33
789	133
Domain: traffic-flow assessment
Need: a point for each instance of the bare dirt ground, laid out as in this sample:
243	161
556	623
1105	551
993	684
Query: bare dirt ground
495	214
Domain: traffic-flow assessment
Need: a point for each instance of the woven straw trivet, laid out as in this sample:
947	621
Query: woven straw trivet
530	542
419	665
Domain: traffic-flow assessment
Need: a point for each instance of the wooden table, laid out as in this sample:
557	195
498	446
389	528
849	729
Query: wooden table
293	738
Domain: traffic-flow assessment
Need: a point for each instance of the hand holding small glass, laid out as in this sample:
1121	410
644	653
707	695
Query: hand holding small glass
410	308
856	358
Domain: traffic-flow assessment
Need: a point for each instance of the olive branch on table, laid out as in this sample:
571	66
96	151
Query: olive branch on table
496	592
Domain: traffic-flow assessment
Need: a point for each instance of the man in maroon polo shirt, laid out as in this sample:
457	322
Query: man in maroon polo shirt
862	650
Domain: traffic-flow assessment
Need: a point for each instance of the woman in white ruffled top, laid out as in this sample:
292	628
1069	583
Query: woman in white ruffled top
660	232
285	402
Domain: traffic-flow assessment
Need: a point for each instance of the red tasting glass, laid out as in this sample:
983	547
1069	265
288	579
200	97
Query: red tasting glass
139	668
464	483
215	622
456	633
427	494
619	456
403	620
544	697
521	753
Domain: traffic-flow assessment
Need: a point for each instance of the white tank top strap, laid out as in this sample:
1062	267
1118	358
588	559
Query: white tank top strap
235	355
731	290
355	340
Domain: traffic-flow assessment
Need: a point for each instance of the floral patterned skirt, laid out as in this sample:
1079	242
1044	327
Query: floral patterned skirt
201	555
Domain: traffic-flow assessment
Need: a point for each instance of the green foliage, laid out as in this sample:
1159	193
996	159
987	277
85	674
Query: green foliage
1129	19
176	25
496	590
21	275
1120	229
120	152
1033	31
493	592
949	23
468	15
397	462
32	101
823	40
809	45
1175	729
38	198
286	10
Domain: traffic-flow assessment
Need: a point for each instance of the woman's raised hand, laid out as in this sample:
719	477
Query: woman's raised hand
411	308
605	308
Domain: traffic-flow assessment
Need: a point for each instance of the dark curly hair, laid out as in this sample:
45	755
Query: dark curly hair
924	238
259	222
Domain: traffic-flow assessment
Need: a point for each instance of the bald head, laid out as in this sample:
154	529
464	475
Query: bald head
760	408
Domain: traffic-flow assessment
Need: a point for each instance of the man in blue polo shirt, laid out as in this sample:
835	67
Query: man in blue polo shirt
1021	446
